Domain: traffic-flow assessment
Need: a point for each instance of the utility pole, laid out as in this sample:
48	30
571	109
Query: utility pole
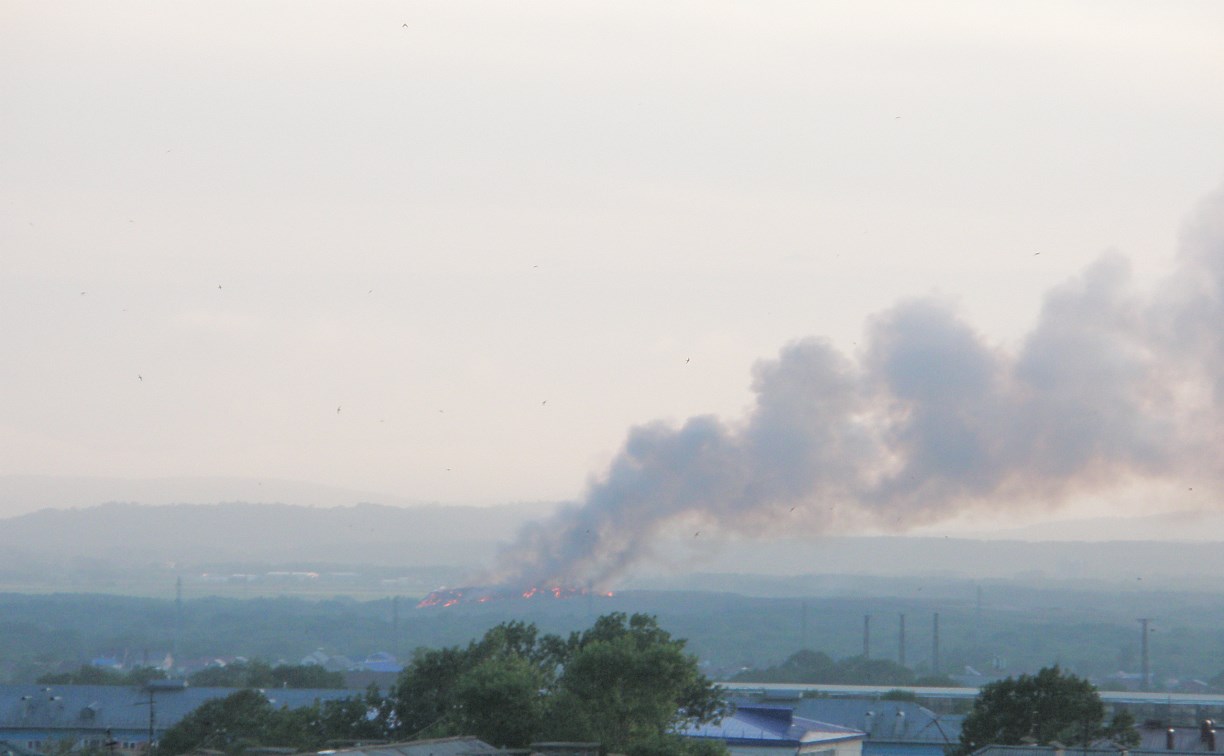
901	642
178	621
1146	681
152	720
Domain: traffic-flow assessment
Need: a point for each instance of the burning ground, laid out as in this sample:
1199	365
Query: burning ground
445	597
1113	386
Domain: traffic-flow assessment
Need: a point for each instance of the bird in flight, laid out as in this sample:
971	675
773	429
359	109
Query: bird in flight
140	377
687	359
337	410
405	26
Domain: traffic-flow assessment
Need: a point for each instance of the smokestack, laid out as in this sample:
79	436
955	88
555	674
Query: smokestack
866	636
901	643
935	645
1146	672
395	633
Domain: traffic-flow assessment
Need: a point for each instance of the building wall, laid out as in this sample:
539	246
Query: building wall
841	748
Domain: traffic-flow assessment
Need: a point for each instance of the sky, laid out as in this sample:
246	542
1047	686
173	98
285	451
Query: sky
455	251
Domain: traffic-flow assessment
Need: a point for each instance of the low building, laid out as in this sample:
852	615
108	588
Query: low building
890	727
759	730
46	718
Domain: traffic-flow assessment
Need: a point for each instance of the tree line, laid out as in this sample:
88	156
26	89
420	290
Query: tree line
808	666
240	674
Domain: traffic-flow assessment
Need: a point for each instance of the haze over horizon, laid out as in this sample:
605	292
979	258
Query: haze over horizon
457	261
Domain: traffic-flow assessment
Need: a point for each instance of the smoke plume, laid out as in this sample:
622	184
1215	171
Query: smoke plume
1112	386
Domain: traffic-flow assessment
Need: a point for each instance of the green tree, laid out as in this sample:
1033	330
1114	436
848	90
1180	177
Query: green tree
817	667
1047	707
502	701
91	675
624	682
227	724
260	674
332	723
511	657
628	683
425	692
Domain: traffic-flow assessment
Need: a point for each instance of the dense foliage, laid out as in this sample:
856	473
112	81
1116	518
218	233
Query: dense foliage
1044	708
247	719
624	682
1093	632
260	674
91	675
818	667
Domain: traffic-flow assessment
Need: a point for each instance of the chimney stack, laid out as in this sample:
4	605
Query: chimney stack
935	646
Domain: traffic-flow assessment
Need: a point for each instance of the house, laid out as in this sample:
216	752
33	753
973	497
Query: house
761	730
890	727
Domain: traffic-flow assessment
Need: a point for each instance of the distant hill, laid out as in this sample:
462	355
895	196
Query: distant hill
130	536
372	534
22	494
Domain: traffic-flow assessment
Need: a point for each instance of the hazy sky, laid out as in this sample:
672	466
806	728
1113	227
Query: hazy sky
452	251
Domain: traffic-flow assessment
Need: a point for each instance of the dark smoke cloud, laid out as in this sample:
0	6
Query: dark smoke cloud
1112	386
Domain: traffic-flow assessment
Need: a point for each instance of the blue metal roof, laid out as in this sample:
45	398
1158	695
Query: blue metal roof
770	725
96	708
900	721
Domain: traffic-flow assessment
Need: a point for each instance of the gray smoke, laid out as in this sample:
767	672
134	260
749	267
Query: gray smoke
1112	386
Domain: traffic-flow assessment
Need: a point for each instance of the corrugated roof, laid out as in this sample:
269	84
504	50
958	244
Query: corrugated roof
118	707
770	725
898	721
